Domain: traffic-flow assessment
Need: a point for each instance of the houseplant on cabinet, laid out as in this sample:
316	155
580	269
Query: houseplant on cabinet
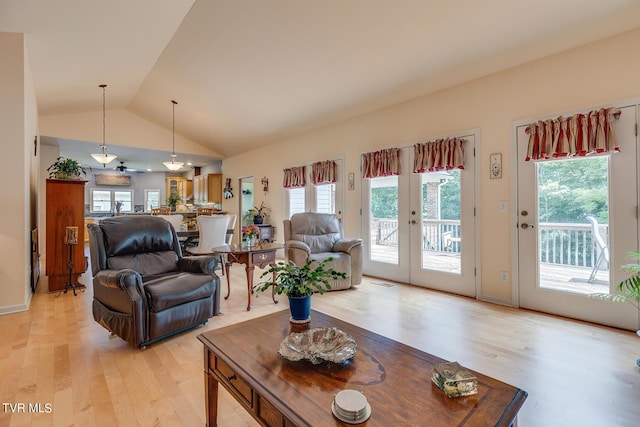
257	214
299	283
64	168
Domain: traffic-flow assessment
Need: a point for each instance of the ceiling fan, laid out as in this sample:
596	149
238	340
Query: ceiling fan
122	168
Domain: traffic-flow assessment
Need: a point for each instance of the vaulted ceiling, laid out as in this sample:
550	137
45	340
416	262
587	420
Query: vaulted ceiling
251	72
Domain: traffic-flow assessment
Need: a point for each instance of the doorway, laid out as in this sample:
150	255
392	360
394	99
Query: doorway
577	220
246	200
420	227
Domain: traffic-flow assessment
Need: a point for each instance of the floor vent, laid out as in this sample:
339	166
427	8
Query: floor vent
385	284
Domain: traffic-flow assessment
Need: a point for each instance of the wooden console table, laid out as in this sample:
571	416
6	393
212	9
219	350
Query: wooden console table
395	378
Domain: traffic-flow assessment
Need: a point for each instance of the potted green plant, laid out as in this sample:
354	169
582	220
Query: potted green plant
257	214
630	288
173	200
299	283
65	168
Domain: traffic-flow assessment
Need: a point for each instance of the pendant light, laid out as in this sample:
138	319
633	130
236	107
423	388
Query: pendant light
103	157
173	165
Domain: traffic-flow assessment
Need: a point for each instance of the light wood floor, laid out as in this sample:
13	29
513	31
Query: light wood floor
576	374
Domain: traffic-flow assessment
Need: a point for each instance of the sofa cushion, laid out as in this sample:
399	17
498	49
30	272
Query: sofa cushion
318	231
171	290
136	234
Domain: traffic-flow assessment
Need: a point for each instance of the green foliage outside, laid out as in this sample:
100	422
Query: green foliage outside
569	190
450	197
384	202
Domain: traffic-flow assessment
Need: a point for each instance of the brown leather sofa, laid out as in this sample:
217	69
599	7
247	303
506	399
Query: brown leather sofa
318	236
144	290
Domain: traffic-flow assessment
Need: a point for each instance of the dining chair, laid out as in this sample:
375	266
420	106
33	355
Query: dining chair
175	220
231	228
204	211
212	232
161	211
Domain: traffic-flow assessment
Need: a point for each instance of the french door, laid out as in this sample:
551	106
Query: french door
420	228
577	219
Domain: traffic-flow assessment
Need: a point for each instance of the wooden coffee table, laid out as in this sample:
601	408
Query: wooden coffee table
395	378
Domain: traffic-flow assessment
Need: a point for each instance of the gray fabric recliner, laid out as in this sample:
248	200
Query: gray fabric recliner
144	290
318	236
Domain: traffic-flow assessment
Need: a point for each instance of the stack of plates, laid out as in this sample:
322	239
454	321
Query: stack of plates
351	406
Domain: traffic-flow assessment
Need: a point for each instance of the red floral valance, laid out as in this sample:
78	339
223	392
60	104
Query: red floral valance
381	163
324	172
441	154
578	135
295	177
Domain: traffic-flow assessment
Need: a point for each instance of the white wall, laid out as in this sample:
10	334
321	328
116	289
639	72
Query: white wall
139	183
591	75
19	124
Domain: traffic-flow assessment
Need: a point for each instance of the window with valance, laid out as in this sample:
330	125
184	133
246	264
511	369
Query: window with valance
578	135
441	154
381	163
324	172
295	177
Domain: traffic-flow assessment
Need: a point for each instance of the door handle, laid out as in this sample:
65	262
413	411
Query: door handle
524	226
413	222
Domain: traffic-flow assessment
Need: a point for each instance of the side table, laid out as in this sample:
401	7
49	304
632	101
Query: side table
260	255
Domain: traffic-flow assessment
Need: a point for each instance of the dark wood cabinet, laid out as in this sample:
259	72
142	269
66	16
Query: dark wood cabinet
266	232
65	208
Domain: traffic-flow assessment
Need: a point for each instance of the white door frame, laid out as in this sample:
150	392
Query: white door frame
403	271
625	317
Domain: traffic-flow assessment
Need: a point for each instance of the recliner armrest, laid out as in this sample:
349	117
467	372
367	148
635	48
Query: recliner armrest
117	279
198	264
295	244
345	245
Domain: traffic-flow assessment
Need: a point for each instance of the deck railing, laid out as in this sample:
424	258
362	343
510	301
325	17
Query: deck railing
560	243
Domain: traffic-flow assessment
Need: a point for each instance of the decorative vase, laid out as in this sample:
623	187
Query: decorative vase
251	240
300	307
258	219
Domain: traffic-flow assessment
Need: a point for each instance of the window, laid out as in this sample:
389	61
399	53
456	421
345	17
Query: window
151	199
105	200
296	200
326	198
322	198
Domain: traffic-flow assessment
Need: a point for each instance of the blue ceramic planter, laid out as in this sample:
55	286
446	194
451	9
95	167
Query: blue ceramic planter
300	307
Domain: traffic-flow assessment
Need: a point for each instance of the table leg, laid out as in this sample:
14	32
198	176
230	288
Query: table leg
249	271
211	399
226	269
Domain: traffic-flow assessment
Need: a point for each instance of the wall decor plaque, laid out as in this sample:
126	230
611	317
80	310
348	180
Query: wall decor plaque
108	179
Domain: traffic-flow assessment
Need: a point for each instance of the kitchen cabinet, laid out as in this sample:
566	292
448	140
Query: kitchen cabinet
207	188
182	186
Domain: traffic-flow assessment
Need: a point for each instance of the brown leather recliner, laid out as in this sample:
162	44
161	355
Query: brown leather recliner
318	236
144	290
